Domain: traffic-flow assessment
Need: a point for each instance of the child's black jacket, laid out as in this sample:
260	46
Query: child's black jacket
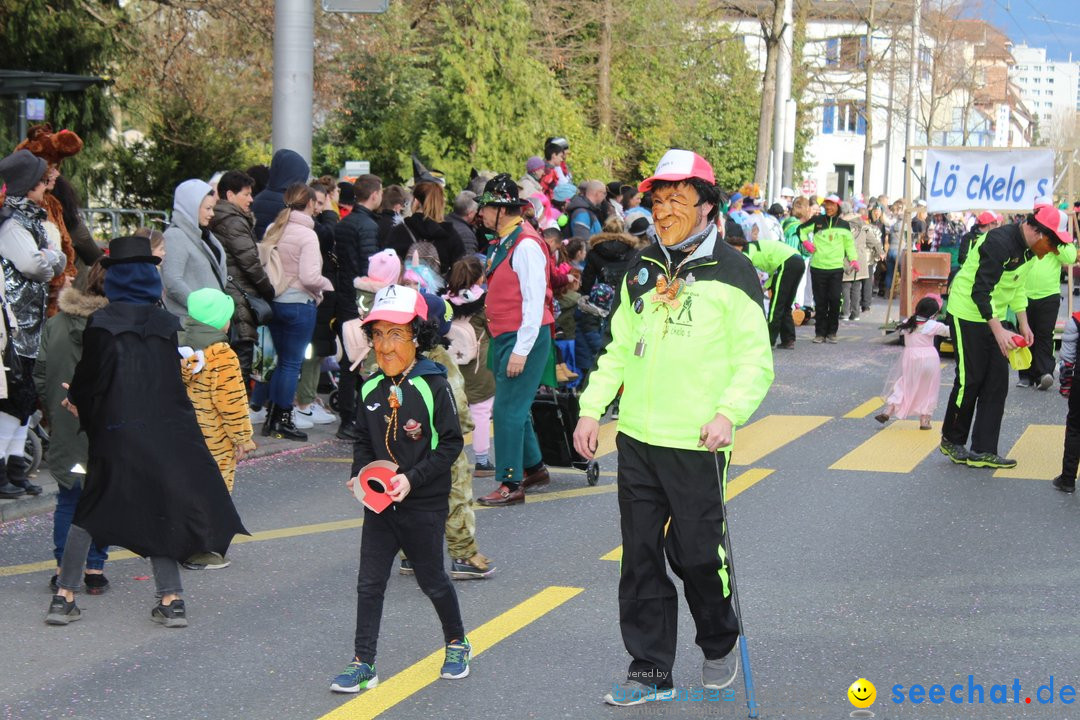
427	468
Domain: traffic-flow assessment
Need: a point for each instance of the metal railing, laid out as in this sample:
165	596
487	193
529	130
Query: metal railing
107	223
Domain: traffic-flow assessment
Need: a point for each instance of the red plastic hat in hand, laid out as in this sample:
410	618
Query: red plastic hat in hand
1019	341
372	484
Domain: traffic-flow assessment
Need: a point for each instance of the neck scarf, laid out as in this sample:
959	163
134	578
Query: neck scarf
29	215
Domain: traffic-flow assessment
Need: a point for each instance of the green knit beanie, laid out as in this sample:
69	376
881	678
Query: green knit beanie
211	307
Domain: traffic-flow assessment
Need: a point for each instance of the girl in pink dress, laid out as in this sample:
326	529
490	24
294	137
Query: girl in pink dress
915	381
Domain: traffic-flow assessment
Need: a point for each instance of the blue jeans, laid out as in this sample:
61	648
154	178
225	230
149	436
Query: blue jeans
890	269
291	329
66	500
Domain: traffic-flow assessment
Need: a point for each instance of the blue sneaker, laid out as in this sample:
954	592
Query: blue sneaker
456	664
355	677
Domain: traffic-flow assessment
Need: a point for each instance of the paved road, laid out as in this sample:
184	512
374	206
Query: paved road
860	551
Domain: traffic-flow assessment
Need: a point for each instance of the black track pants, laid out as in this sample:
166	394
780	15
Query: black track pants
656	483
784	283
979	388
827	286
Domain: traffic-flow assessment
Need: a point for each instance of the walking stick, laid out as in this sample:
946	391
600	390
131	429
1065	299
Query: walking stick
744	651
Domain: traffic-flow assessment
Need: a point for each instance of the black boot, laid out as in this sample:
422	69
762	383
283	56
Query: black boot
283	426
18	474
271	419
8	490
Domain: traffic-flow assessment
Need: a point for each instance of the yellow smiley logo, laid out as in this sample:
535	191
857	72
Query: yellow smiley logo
862	693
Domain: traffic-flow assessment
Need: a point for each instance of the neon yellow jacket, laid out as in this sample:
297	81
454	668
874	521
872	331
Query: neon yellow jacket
768	255
833	242
992	279
1044	277
707	354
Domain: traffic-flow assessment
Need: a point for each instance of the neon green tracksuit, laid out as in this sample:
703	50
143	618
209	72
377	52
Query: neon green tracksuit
709	354
704	351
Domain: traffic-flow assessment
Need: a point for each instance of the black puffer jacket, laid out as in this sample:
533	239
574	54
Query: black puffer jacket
608	257
356	238
234	229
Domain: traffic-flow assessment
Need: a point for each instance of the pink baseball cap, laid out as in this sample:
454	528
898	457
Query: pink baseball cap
397	304
833	199
680	165
1055	221
986	217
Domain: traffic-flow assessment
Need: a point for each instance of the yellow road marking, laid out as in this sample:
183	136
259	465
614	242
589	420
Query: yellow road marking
239	539
421	674
770	433
259	536
896	449
1037	453
316	528
735	486
866	408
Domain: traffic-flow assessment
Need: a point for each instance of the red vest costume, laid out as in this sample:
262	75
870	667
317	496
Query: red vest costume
503	303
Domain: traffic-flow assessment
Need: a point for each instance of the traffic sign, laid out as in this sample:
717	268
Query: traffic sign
809	187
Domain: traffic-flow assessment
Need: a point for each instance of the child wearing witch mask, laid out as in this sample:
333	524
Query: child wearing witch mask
407	417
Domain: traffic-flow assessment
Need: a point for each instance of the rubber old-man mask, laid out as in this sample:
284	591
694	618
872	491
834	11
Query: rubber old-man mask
395	349
678	213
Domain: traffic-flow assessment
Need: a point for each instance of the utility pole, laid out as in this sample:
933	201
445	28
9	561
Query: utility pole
294	75
916	15
889	120
868	106
780	108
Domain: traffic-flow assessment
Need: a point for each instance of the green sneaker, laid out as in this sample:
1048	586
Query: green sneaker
957	453
355	677
456	664
989	460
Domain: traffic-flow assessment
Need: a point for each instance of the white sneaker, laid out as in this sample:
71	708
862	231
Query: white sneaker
317	414
300	422
257	416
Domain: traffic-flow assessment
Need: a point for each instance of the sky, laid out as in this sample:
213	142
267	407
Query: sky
1025	21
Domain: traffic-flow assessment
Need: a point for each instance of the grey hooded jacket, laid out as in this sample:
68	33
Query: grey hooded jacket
189	263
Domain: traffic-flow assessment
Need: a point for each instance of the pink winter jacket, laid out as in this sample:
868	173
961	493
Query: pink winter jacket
300	257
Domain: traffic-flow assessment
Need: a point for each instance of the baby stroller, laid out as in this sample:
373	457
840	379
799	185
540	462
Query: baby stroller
554	416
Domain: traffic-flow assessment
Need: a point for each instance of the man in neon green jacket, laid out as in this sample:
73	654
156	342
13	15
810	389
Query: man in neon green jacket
690	301
830	240
784	266
990	282
1043	288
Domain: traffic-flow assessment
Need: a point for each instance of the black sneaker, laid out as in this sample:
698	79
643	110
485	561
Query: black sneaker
1024	382
957	453
989	460
173	615
474	568
96	584
347	431
484	470
62	612
1061	484
406	568
54	584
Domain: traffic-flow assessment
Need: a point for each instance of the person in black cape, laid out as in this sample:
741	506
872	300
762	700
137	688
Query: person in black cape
151	484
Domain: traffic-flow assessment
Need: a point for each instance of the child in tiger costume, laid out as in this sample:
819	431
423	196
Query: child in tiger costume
211	372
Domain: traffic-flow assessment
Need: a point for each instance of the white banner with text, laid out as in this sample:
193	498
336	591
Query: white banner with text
962	179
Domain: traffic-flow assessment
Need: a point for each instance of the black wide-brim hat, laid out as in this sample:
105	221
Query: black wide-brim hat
129	249
501	191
